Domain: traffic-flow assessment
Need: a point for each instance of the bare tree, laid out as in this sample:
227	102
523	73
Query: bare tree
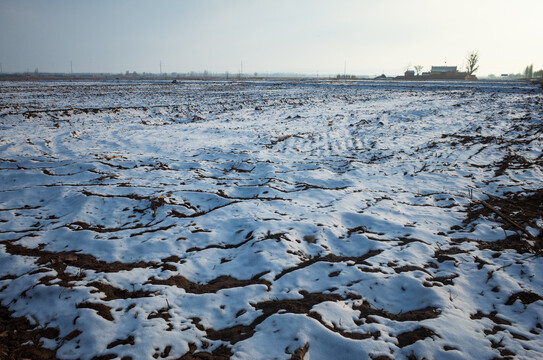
418	69
473	62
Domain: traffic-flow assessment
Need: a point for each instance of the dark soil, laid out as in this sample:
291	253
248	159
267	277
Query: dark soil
519	209
221	282
526	297
414	315
300	353
102	310
220	353
16	331
411	337
332	259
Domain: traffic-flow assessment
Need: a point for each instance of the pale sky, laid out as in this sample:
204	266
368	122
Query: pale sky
302	36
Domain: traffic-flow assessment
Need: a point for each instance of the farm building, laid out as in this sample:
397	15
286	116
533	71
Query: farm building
443	69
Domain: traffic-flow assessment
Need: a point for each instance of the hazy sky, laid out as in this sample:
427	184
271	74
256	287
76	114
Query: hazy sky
307	36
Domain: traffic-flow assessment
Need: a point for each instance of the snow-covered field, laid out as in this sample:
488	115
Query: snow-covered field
271	220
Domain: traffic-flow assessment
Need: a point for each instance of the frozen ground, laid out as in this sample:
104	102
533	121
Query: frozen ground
271	220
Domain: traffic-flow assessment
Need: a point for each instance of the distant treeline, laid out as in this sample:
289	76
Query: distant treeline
36	76
529	73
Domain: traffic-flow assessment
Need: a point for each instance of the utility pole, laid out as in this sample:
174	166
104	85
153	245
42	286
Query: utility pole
345	69
160	67
241	69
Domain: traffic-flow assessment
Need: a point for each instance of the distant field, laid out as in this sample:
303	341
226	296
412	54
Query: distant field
273	220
